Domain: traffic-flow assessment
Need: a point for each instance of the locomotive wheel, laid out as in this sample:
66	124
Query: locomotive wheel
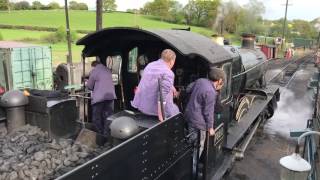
243	108
272	105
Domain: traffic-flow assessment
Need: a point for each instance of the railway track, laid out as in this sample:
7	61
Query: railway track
288	70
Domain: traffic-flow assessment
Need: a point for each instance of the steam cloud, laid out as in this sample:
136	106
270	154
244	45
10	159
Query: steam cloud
291	114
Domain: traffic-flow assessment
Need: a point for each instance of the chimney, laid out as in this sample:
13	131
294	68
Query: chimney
248	41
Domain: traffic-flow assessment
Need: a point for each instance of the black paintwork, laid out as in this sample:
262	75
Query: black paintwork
195	55
57	116
2	114
161	152
185	42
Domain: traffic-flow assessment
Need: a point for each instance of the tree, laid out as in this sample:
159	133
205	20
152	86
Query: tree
109	5
303	28
4	4
166	10
77	6
229	14
201	12
53	5
161	8
37	5
176	13
251	18
188	15
82	6
73	5
147	9
22	5
275	28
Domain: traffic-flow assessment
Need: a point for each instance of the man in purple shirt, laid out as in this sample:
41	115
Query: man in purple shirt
146	97
199	112
102	97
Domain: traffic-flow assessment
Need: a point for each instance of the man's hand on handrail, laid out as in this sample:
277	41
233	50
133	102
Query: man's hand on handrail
211	131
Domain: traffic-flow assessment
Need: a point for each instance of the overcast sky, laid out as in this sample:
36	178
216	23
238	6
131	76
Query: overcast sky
299	9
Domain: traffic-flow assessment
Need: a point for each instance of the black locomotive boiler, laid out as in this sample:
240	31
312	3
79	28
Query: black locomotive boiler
155	150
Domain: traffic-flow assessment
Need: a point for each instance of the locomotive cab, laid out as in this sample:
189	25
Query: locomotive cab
163	150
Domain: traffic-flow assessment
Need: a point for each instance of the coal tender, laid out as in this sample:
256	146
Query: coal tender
144	148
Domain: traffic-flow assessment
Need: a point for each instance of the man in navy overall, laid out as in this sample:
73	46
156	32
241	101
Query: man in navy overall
102	97
199	112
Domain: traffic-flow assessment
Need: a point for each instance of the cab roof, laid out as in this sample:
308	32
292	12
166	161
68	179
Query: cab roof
184	42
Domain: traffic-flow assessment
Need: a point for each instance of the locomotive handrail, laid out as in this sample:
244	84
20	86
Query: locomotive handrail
79	96
246	71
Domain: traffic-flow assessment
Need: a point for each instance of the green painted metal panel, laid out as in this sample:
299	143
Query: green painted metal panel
28	67
42	67
21	66
300	42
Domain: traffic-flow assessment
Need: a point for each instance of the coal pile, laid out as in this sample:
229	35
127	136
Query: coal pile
29	153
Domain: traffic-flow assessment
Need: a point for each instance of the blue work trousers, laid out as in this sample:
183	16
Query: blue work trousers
100	112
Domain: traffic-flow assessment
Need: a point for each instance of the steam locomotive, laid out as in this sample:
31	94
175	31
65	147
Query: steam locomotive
147	149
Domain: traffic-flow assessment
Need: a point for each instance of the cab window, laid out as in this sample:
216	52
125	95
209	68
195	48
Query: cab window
132	61
226	90
114	64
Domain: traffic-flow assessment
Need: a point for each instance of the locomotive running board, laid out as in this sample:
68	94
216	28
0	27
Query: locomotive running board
237	131
225	166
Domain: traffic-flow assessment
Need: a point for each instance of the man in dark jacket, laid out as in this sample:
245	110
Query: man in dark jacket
102	97
199	111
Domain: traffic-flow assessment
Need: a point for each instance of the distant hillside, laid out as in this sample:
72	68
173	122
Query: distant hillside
85	20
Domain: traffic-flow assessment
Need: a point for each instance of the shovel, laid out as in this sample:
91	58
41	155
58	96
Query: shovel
86	136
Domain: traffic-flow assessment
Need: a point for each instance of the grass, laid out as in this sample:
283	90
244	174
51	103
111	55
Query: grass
59	50
10	34
79	20
85	20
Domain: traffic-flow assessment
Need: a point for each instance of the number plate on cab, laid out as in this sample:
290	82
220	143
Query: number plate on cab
218	137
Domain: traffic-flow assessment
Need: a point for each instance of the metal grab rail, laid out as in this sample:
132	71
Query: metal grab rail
310	150
310	145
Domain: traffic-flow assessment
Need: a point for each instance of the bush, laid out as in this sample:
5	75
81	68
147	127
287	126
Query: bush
53	5
50	38
32	28
74	36
29	39
60	36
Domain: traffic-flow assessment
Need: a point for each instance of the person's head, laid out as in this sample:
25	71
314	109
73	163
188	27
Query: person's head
94	63
169	57
217	76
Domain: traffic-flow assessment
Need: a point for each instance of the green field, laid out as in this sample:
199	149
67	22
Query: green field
85	20
79	20
59	50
